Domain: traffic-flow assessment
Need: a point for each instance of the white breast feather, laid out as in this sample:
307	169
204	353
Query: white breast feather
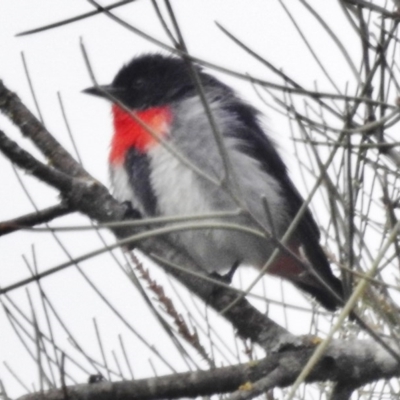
122	189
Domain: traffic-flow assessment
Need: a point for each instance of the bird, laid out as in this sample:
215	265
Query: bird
169	158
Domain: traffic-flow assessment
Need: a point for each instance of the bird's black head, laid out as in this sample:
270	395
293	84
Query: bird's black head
153	80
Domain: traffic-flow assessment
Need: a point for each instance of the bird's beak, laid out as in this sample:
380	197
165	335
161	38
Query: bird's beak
104	91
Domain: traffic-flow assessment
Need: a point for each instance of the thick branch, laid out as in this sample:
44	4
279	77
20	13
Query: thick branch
30	164
36	218
12	107
350	362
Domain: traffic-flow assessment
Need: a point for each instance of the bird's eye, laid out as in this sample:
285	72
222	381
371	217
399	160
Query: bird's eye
138	83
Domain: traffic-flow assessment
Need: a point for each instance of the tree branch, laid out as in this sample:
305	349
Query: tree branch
30	164
352	363
12	107
36	218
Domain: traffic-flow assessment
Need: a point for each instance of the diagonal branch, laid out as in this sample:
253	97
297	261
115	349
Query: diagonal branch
36	218
23	159
352	363
12	107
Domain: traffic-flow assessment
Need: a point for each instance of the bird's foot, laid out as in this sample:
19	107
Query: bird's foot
130	212
226	278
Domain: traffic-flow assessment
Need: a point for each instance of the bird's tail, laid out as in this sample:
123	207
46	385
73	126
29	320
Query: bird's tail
329	300
321	284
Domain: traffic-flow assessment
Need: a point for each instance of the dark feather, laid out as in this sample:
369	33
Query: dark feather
138	168
255	143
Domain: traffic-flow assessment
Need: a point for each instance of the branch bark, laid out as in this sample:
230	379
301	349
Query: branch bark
36	218
352	363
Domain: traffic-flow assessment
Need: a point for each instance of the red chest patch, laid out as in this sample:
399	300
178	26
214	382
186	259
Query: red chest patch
130	133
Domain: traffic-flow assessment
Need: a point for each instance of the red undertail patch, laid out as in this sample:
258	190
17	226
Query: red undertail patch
287	266
130	133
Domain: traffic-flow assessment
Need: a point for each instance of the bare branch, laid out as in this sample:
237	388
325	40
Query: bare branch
30	126
36	218
342	363
74	19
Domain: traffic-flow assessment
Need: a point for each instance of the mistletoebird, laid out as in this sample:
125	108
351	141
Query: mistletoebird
157	107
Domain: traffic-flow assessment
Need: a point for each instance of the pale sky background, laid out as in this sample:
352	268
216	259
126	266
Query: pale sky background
56	64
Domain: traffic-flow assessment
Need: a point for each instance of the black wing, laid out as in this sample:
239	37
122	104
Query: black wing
259	146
